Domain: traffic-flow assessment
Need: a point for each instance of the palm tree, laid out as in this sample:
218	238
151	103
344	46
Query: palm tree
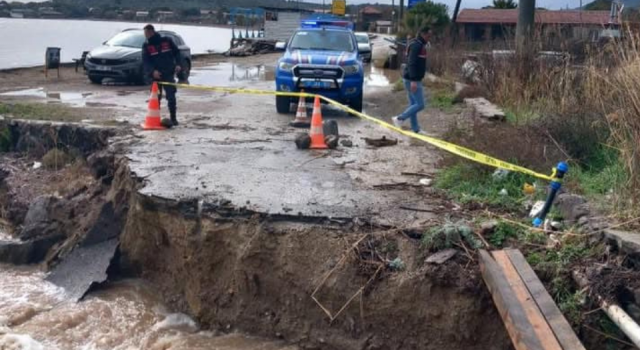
504	4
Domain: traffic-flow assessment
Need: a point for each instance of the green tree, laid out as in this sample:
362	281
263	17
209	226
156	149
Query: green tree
504	4
599	5
423	14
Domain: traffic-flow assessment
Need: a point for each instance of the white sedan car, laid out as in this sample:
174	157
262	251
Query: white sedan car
364	46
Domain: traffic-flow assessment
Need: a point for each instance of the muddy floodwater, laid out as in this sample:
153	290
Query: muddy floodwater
73	37
127	315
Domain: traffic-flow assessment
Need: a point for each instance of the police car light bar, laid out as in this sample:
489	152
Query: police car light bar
320	24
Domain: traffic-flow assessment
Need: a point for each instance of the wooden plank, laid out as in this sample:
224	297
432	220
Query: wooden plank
559	325
514	317
540	326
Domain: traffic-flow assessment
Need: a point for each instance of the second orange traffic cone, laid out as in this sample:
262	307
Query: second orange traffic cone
152	121
301	120
317	132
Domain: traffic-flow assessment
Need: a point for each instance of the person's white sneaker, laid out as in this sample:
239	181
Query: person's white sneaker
422	132
397	122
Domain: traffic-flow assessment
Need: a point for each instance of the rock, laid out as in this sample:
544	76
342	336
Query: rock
627	242
488	227
441	257
40	219
583	221
381	142
30	252
303	141
331	141
485	109
572	207
346	143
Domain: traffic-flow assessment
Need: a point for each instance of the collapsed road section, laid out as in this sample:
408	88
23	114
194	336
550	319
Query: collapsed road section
272	255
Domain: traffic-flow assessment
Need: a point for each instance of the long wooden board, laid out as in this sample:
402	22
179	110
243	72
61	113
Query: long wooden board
559	325
540	327
513	315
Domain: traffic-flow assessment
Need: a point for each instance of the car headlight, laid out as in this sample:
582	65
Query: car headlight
285	66
352	69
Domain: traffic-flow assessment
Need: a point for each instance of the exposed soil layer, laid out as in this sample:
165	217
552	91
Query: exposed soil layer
258	276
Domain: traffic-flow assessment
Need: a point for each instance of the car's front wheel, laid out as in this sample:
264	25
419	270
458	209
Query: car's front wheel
95	80
356	103
283	104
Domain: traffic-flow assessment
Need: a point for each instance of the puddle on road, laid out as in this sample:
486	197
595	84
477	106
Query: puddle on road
230	74
379	77
127	315
76	99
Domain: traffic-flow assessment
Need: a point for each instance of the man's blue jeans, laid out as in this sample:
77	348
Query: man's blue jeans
416	104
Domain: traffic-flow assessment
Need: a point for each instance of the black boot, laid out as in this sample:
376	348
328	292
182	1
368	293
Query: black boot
174	120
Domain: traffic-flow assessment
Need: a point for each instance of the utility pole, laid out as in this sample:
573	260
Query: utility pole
524	28
401	12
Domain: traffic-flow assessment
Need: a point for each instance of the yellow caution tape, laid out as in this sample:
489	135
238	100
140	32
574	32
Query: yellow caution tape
449	147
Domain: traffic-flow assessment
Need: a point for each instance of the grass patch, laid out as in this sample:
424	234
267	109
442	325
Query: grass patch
556	265
6	140
56	159
443	100
39	111
449	235
504	232
467	183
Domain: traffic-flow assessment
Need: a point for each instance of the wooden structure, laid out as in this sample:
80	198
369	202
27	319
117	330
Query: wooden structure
530	315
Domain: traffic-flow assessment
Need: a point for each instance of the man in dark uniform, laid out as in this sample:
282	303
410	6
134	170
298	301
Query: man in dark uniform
162	61
412	75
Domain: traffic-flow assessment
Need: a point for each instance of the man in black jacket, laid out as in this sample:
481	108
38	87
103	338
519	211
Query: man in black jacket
412	75
162	61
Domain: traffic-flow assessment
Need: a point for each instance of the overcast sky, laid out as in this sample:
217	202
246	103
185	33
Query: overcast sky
550	4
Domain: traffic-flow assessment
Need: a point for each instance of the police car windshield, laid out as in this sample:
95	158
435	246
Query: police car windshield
128	39
323	40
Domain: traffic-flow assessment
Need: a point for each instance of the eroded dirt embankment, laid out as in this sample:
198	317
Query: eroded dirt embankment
247	272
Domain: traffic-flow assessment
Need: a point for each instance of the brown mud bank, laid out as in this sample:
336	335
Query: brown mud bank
239	271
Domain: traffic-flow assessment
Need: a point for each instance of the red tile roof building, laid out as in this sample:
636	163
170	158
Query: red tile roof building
488	24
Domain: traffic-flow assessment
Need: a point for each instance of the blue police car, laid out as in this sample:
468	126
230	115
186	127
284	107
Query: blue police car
321	57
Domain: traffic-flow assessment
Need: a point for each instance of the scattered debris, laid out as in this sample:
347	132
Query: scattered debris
485	109
381	142
303	141
572	207
441	257
426	182
37	165
488	227
423	210
249	47
504	192
536	209
346	143
500	174
331	141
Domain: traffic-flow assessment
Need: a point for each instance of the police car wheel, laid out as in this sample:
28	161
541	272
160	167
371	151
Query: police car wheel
356	103
283	104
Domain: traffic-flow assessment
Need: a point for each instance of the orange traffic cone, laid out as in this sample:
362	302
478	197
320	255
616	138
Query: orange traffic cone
152	121
317	133
301	120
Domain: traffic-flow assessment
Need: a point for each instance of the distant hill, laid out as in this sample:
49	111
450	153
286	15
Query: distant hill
605	5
